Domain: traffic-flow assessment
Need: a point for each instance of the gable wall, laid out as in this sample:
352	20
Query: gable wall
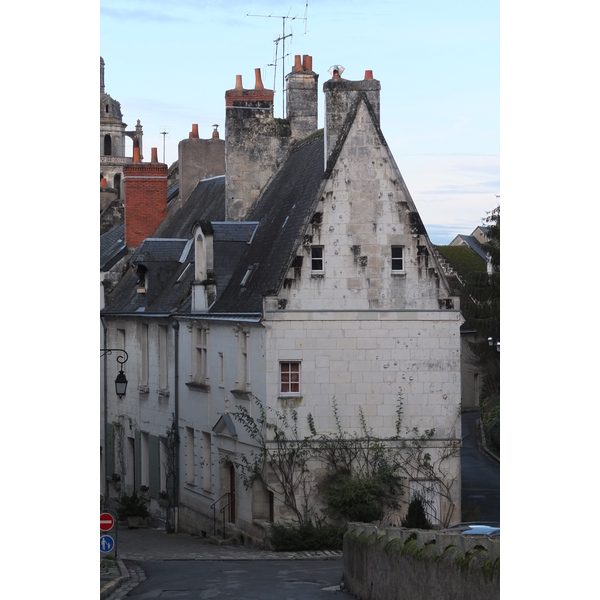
365	211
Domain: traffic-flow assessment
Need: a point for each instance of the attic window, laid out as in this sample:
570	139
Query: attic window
316	259
249	274
397	259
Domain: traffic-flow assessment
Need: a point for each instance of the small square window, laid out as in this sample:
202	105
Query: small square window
289	378
397	259
316	259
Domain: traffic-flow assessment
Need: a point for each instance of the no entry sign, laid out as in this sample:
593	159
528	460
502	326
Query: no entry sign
107	521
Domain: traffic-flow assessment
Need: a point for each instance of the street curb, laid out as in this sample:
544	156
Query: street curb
115	584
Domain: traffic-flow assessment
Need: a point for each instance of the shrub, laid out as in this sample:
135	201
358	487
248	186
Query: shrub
416	518
132	506
306	536
357	498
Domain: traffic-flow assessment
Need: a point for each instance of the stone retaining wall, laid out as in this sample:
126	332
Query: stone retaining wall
392	563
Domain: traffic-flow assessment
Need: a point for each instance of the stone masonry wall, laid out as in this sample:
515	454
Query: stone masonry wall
385	564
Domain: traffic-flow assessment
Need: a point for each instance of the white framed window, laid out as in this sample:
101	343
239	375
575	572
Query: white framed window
163	375
206	462
243	368
144	459
201	354
317	264
289	378
397	259
221	370
190	458
144	367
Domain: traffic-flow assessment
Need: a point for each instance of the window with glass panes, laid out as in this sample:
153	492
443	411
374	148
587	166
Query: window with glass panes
289	378
397	258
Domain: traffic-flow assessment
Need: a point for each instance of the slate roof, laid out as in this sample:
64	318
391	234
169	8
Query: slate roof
472	242
207	201
283	211
170	286
112	247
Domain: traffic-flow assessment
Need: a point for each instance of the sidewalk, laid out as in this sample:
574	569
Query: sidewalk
146	544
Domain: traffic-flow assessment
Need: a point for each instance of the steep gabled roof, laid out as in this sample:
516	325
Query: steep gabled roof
283	211
172	267
206	202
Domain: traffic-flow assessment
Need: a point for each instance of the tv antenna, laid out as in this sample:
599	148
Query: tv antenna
282	39
165	132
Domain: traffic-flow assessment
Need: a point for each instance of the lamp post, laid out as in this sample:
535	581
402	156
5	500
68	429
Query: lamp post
120	389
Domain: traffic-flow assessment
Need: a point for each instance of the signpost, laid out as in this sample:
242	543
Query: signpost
107	521
107	543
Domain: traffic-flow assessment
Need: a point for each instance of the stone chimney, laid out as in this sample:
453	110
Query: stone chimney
199	159
302	98
255	143
341	98
146	197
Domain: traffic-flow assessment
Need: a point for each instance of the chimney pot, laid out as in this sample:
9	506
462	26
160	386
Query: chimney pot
297	64
136	154
369	74
215	133
238	82
194	133
258	85
154	155
307	62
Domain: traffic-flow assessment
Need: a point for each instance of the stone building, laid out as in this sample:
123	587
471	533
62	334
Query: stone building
302	274
113	132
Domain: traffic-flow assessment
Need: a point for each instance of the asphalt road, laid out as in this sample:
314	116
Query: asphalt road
480	476
242	580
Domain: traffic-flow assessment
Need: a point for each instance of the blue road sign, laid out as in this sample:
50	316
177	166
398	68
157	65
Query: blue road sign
106	543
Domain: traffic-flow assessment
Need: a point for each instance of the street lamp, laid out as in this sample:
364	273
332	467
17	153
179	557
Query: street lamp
491	343
121	380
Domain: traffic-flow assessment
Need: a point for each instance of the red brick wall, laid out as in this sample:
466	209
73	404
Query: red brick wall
146	200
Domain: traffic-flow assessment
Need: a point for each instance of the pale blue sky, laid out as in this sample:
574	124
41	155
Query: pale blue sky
170	62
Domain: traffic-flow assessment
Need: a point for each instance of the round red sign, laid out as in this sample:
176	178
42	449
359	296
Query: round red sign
107	521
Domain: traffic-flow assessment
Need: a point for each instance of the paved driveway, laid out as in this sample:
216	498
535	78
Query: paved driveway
480	476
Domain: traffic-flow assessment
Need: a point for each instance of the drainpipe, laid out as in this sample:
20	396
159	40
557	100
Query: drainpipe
176	419
105	412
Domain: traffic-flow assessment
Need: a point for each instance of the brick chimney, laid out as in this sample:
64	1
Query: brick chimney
255	143
146	197
302	98
199	159
341	97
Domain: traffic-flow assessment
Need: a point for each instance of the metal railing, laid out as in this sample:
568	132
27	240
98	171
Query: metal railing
230	500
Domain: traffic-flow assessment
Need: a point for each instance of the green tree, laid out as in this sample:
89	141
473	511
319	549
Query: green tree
484	315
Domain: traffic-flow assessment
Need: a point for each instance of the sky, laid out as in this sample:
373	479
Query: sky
169	63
